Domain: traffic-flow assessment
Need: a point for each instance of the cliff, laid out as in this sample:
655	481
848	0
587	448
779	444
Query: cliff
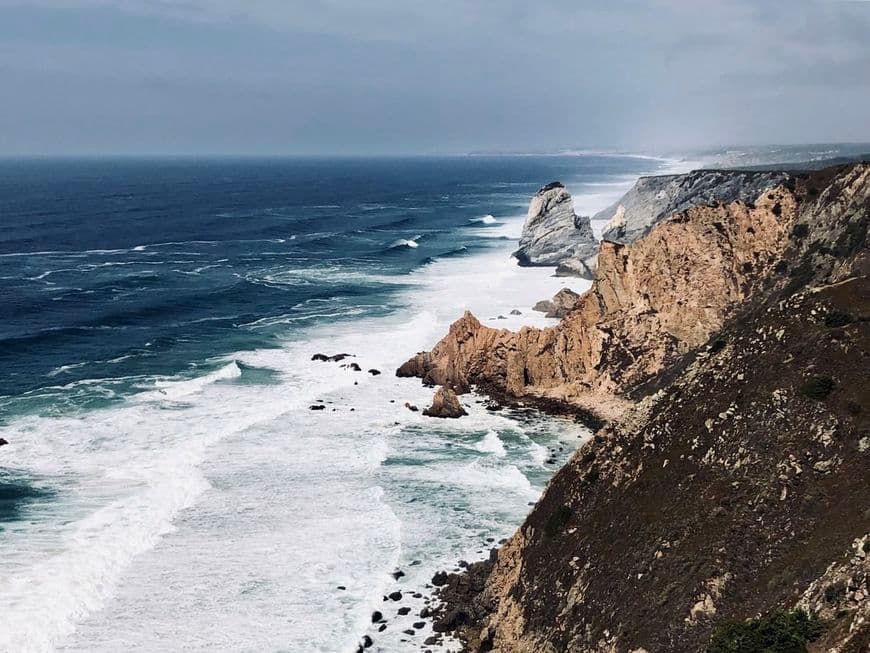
736	482
652	301
553	233
654	198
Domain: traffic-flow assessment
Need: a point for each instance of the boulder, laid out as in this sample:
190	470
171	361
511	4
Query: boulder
553	233
561	304
445	403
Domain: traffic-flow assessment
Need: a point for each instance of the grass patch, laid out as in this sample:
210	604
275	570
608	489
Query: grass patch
818	388
779	632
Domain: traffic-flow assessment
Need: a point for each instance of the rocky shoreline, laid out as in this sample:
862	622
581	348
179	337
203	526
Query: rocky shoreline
726	333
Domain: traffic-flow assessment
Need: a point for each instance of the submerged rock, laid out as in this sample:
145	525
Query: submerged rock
445	403
553	233
317	407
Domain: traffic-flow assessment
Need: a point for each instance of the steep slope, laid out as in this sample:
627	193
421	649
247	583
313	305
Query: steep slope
736	485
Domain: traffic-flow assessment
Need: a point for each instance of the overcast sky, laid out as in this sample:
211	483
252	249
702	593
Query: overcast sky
428	76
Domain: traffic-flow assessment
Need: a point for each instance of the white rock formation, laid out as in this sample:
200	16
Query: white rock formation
553	233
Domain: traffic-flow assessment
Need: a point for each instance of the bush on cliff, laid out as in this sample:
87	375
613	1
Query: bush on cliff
778	632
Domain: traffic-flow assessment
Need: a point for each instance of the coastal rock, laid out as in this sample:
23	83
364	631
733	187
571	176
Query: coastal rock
652	199
684	513
561	304
553	233
3	441
445	403
652	301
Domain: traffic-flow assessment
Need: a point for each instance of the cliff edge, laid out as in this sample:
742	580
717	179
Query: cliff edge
735	484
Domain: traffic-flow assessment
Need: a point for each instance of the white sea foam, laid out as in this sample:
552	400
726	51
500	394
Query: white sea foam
212	514
406	242
486	219
491	443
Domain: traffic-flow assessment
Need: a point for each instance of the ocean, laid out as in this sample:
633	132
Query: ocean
166	485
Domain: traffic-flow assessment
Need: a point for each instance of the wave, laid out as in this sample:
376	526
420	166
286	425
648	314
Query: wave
491	443
486	219
172	390
402	242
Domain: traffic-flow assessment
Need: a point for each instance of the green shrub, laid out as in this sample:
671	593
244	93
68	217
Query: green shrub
779	632
800	277
835	319
818	388
800	231
556	522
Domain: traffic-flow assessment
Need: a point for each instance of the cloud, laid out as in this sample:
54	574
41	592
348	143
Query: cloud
386	75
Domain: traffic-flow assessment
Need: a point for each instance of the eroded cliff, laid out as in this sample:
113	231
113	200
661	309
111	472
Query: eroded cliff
738	482
652	301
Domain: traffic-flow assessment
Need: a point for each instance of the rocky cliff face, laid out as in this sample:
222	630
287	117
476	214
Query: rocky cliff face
652	301
735	484
553	233
654	198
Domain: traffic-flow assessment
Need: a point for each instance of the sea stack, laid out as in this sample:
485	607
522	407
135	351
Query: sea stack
445	403
553	234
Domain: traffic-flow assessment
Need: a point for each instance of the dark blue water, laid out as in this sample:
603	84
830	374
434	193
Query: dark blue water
125	269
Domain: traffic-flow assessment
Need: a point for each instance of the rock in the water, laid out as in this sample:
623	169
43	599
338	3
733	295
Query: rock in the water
404	611
516	312
367	641
374	372
439	579
445	403
317	407
552	232
376	616
320	357
355	367
562	302
395	596
411	407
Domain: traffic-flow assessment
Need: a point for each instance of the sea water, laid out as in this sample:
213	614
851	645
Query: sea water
167	486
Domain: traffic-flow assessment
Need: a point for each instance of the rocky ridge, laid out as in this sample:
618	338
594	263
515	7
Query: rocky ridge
652	199
732	484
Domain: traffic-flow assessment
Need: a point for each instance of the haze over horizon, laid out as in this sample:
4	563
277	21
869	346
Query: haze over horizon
268	77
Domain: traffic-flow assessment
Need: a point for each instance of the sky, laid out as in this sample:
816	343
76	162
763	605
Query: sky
283	77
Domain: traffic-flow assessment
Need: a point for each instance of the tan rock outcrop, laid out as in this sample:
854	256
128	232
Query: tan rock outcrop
445	403
652	300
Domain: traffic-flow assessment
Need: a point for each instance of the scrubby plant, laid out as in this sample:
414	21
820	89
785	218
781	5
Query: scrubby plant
780	631
800	231
557	521
835	319
818	388
799	277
